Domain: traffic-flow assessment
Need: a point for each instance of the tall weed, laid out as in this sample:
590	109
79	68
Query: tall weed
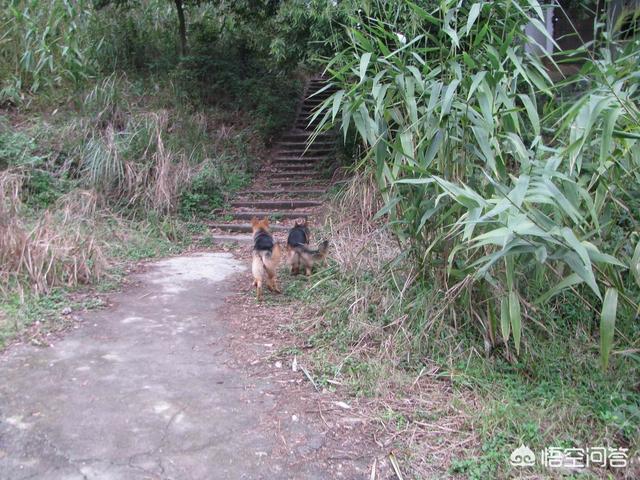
56	249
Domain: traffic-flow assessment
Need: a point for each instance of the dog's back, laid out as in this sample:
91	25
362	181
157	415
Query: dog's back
266	256
298	235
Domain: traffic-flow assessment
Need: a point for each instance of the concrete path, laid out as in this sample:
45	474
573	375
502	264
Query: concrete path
141	390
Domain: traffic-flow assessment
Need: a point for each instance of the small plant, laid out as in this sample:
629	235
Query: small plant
16	148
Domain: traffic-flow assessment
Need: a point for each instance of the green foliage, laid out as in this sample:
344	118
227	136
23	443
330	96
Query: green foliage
41	189
306	32
18	149
15	148
43	46
487	464
210	186
483	173
136	36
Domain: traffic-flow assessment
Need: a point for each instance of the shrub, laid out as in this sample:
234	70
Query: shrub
58	249
483	177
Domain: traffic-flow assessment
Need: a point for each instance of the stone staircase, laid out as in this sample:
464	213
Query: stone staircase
292	183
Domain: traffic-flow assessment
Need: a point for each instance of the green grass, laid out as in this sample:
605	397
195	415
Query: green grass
562	400
45	313
553	395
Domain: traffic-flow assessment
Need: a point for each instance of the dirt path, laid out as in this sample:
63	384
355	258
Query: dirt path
148	389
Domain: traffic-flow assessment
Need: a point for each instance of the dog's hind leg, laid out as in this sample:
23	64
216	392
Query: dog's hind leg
271	281
295	264
258	284
257	269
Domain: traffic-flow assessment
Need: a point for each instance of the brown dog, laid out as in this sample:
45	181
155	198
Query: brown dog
298	252
266	257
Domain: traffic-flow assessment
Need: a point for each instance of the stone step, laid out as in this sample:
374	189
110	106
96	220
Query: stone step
308	156
280	174
282	204
297	159
313	101
248	215
303	156
293	175
296	168
244	227
300	158
303	135
317	98
292	144
316	87
287	146
309	118
318	143
308	113
281	192
307	122
293	149
316	182
308	108
305	132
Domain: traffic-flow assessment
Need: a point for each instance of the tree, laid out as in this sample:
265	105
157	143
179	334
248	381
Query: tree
182	27
182	24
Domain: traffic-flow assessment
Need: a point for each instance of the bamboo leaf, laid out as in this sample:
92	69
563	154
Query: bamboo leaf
447	99
337	98
532	112
505	323
635	264
364	64
536	6
607	324
515	318
608	126
473	16
573	279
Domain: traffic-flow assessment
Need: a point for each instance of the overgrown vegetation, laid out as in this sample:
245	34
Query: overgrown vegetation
490	234
513	201
111	127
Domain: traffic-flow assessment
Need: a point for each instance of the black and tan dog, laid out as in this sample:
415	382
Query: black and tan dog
266	257
298	252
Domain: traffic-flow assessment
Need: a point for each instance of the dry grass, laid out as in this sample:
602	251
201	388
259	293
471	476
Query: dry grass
359	240
153	179
55	249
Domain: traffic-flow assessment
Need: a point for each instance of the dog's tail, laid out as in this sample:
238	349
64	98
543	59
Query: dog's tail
271	258
318	254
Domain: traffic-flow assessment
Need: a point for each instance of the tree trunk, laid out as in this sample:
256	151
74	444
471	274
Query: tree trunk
182	28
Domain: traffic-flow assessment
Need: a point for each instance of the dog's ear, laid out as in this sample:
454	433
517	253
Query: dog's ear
265	221
254	221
